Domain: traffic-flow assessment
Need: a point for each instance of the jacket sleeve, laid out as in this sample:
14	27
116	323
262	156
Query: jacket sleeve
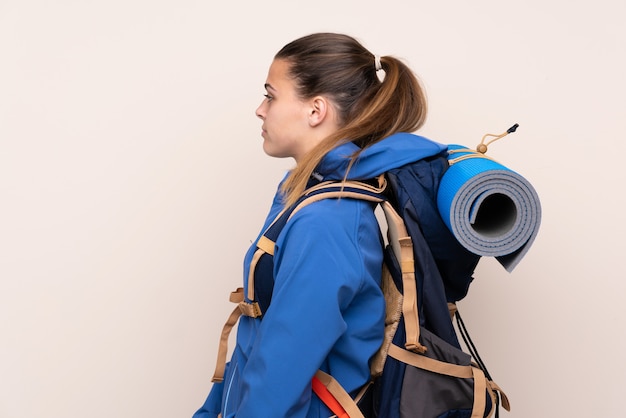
320	266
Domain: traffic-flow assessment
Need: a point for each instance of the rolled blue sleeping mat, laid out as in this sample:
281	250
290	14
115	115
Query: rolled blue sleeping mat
491	210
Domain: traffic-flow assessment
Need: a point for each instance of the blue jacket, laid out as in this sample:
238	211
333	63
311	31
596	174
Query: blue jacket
327	309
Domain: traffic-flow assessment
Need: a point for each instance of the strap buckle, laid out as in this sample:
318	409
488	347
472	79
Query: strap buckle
250	309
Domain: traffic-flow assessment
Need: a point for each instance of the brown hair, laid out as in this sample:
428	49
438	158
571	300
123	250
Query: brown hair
339	67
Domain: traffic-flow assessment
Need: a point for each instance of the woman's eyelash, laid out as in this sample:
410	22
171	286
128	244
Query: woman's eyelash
268	97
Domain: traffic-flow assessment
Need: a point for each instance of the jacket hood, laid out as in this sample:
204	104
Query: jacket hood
392	152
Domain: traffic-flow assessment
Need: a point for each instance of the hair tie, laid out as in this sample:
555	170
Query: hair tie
380	73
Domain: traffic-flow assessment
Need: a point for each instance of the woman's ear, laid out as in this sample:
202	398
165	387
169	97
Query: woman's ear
320	111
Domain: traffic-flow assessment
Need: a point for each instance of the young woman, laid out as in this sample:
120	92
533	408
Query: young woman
341	113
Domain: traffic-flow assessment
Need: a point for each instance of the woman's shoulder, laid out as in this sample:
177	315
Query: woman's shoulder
333	210
334	218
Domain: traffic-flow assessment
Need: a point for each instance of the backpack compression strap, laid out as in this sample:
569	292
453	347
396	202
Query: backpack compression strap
402	247
481	383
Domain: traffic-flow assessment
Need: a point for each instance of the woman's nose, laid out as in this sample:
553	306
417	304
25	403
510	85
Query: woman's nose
260	112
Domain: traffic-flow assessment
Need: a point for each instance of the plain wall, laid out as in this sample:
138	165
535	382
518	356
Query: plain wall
132	180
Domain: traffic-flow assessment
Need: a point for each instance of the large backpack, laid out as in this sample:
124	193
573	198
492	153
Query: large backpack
420	370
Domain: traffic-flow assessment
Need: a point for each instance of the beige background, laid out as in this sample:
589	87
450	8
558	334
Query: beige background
132	180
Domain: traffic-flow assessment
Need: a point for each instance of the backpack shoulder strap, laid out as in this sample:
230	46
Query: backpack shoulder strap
260	280
265	250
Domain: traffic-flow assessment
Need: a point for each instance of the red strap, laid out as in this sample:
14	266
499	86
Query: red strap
329	400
